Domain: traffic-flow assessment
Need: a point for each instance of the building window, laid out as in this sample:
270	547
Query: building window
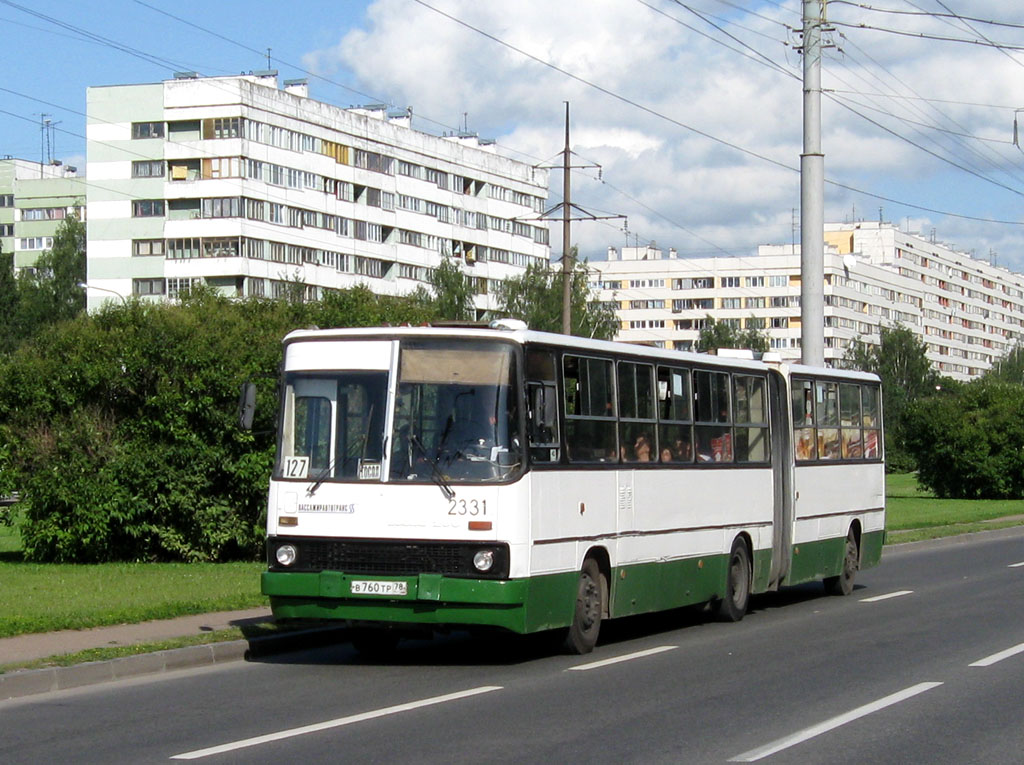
35	243
755	302
44	213
6	200
181	287
148	287
148	247
6	229
731	303
221	247
147	208
179	249
147	130
778	281
730	281
148	168
222	207
227	127
753	281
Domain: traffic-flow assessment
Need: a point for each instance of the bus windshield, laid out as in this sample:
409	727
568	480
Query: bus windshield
456	412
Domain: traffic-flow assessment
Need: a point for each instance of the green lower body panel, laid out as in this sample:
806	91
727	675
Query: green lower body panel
647	587
871	548
519	605
818	560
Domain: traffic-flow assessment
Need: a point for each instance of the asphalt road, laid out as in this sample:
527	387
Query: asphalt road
924	662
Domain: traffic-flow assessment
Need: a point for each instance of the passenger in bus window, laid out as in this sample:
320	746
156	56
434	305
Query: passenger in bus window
683	450
642	448
666	454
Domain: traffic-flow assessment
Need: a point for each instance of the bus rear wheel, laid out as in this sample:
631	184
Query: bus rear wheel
843	584
733	606
586	618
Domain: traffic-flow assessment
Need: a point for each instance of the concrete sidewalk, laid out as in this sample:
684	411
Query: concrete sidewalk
29	682
43	645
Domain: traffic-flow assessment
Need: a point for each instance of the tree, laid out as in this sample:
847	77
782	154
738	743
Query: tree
901	362
9	303
536	298
1010	368
451	296
48	291
969	443
718	334
119	428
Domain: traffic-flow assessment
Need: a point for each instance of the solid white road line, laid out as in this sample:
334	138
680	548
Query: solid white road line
617	659
1016	565
835	722
887	596
988	661
257	740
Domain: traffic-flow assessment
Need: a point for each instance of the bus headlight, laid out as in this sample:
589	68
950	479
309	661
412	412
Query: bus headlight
286	554
483	560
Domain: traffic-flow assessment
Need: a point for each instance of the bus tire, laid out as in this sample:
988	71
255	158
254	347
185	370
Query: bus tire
587	610
843	584
733	606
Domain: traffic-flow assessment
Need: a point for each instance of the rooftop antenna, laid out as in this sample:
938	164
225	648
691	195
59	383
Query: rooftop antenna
44	120
268	58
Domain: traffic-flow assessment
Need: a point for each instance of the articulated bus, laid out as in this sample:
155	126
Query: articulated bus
438	478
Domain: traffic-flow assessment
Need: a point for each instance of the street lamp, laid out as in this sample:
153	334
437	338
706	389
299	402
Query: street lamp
87	287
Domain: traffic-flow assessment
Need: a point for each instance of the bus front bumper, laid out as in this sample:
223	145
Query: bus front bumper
519	605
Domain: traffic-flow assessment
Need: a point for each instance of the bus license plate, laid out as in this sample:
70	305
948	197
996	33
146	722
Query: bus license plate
363	587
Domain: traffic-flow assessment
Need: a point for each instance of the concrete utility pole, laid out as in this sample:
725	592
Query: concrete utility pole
567	261
812	195
566	206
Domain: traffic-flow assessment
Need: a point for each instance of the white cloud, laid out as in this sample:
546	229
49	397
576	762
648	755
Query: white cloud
709	190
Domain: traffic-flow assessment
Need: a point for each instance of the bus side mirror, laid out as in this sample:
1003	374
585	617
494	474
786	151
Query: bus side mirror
247	405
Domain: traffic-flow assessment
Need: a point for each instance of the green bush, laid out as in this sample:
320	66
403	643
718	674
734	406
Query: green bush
121	430
969	443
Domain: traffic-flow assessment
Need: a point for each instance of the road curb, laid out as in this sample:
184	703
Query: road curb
31	682
956	539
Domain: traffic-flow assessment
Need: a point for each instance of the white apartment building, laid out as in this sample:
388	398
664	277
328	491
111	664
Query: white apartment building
968	312
34	199
247	187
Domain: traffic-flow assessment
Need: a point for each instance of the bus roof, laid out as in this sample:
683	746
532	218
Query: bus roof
568	342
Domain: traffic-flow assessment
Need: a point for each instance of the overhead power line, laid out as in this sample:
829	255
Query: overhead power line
931	14
927	36
692	129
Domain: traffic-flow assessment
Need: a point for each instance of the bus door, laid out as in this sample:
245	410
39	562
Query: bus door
782	478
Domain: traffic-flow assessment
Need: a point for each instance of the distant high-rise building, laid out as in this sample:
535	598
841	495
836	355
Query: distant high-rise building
34	199
252	190
967	311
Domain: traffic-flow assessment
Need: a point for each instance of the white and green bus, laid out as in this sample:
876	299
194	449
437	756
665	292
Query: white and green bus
463	477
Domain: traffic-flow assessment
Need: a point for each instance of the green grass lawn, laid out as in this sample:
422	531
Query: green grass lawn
44	597
41	597
910	507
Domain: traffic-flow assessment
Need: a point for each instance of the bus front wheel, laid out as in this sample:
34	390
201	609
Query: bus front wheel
733	606
586	619
843	584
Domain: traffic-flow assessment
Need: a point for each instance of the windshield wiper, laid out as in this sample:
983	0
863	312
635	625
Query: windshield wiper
322	476
439	479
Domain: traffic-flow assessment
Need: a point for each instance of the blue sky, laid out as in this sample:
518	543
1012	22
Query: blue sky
649	77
